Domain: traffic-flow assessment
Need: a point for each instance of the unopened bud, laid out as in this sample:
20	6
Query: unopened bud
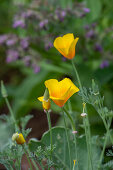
83	114
74	132
46	94
46	104
18	137
3	90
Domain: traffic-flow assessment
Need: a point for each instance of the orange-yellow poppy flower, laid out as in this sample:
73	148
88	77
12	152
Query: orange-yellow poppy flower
60	91
45	103
19	138
66	45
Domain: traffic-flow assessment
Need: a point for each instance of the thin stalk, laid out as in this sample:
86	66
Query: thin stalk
12	114
88	130
28	158
34	164
107	129
102	153
69	116
32	160
67	140
49	123
73	129
87	142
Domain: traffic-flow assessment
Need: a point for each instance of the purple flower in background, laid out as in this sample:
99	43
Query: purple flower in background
86	10
12	55
11	41
3	38
27	14
43	23
60	14
24	43
86	27
90	34
35	68
48	46
104	64
19	23
27	60
94	25
98	47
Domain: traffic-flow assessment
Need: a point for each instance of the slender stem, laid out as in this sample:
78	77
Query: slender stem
49	123
73	129
69	116
102	153
34	164
28	158
87	141
67	140
107	129
12	114
88	137
32	160
75	142
77	75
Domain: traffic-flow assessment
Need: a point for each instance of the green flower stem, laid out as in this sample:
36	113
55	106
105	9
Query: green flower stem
28	158
73	129
12	114
69	116
107	129
49	123
102	153
67	139
88	137
27	152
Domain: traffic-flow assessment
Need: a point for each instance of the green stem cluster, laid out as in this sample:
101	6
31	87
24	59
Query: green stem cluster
49	123
67	139
87	127
73	129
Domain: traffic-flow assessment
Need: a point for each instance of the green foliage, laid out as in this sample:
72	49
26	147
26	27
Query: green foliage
60	153
11	156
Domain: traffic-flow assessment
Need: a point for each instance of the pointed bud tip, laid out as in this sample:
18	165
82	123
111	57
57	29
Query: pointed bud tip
3	89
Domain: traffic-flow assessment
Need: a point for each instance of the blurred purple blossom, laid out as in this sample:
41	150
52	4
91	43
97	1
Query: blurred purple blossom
86	10
24	43
86	27
98	47
3	38
35	68
43	23
11	40
48	46
104	64
90	34
19	23
60	14
12	55
27	60
94	25
27	14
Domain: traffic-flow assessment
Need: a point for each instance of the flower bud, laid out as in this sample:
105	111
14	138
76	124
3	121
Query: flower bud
46	104
3	90
83	114
45	100
18	137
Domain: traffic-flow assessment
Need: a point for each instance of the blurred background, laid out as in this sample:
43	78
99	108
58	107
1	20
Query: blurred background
28	58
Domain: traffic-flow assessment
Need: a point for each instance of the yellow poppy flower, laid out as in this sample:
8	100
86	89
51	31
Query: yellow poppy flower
66	45
60	91
45	100
18	137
